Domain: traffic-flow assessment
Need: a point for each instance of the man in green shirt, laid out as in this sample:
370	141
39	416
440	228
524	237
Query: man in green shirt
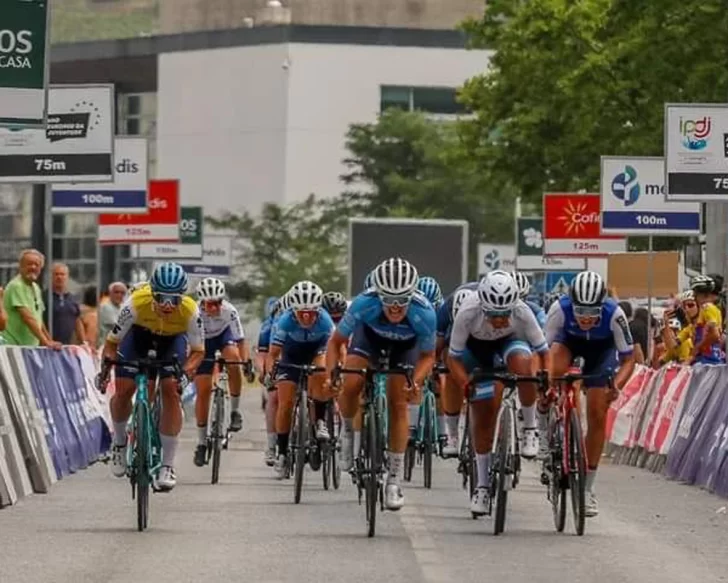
24	305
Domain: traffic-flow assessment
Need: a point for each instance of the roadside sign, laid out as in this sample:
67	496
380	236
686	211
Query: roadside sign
190	239
529	249
159	224
696	152
558	282
24	49
126	194
492	257
633	200
571	227
217	258
77	144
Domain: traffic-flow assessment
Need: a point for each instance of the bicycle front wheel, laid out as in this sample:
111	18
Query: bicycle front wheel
429	438
141	463
301	443
218	420
501	466
577	472
374	465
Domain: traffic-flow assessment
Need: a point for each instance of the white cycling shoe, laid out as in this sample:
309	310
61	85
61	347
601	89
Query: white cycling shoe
280	467
591	508
118	461
270	457
480	502
393	497
166	480
322	432
346	458
529	446
450	449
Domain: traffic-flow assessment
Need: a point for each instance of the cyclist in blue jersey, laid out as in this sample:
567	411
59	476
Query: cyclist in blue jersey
587	324
300	337
429	288
452	394
524	288
394	317
335	304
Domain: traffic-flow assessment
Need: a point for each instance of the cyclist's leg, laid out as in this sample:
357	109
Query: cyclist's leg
271	412
518	358
439	387
121	403
170	423
358	355
320	396
286	381
452	404
561	356
231	352
203	383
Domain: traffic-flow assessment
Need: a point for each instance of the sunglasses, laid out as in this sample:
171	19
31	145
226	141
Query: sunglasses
212	303
306	314
395	301
587	311
163	299
498	313
690	304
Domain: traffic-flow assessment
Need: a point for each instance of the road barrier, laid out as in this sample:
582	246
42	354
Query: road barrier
675	421
53	422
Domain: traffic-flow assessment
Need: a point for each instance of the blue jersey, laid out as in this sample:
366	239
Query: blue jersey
367	309
444	312
561	325
264	335
287	330
538	312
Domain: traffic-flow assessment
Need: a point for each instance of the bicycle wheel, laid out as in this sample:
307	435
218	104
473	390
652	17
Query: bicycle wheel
334	426
557	491
410	455
500	469
373	467
141	469
218	421
577	472
301	442
428	441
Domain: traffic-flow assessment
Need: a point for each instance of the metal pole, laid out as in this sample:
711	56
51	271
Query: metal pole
48	222
650	283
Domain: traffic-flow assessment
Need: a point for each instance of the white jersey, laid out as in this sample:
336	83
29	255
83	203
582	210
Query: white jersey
472	321
227	318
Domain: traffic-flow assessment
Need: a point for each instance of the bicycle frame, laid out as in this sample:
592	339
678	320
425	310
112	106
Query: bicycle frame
154	445
427	395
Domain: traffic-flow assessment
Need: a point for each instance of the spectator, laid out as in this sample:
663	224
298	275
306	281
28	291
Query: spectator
23	302
109	311
640	329
66	311
90	315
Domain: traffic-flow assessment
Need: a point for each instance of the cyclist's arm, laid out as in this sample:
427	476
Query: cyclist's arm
339	339
124	321
554	334
440	346
196	340
625	348
458	338
535	337
274	354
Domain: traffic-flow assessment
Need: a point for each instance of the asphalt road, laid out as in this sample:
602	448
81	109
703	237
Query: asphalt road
247	528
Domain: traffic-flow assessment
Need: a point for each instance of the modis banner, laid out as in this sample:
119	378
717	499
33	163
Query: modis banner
572	227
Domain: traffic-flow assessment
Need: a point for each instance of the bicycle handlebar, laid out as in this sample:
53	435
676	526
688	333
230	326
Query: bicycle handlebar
405	371
574	377
305	368
439	368
508	378
143	363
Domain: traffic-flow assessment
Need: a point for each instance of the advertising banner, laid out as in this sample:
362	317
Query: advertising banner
634	203
572	227
217	258
77	144
529	249
492	257
23	56
190	239
127	193
160	224
696	152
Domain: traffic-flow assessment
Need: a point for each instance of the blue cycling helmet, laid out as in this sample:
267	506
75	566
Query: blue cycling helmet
429	288
368	281
169	278
270	305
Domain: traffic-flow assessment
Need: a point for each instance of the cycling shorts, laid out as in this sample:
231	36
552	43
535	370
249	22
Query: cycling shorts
366	343
299	353
212	345
489	355
600	358
139	341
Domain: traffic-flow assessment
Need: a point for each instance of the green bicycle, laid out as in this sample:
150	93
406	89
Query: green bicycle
144	452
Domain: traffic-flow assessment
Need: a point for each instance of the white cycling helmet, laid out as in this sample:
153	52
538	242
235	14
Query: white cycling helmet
211	289
686	296
460	296
305	295
285	301
588	289
395	277
498	292
524	286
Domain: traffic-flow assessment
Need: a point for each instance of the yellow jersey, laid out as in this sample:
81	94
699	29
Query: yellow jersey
684	348
139	310
709	317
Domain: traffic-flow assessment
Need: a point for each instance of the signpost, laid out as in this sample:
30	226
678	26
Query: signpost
571	227
529	249
190	240
217	258
24	49
492	257
696	152
126	194
633	200
77	144
159	225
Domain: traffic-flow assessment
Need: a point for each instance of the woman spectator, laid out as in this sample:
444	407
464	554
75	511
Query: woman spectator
89	315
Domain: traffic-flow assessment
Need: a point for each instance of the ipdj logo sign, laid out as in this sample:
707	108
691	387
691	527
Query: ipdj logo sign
576	218
627	188
695	132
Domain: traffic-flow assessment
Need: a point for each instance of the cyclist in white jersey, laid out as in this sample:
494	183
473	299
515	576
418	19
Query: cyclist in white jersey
224	333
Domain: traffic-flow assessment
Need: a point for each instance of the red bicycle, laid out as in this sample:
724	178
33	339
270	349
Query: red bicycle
565	466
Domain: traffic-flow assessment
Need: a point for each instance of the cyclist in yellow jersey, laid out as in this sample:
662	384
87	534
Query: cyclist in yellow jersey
679	338
156	316
707	343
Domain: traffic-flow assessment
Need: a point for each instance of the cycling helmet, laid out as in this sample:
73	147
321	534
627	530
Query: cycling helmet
498	292
395	277
271	305
429	288
334	302
460	296
369	280
702	284
588	289
686	296
211	289
169	278
305	295
524	286
285	302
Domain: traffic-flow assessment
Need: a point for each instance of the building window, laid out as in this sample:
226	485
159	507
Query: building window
137	116
430	100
